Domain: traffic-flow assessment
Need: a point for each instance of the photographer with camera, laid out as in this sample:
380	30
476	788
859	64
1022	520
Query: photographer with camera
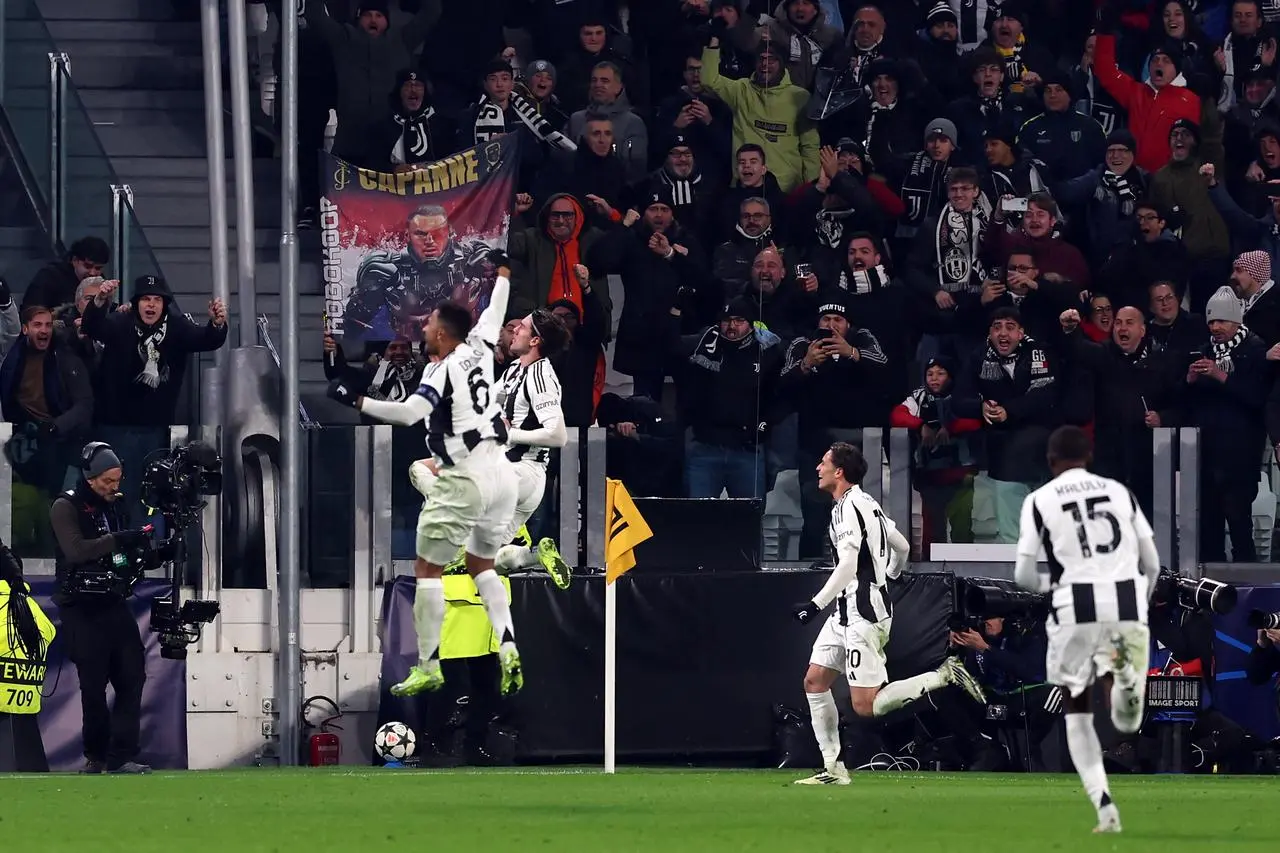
1264	657
1007	657
94	579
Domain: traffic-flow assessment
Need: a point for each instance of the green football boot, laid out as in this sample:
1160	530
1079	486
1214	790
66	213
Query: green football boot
458	565
420	680
512	675
549	556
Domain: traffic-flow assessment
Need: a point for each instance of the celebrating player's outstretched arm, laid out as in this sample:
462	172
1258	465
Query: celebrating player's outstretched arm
471	494
869	549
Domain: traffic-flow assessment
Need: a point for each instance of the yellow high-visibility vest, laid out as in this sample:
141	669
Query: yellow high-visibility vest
20	678
467	632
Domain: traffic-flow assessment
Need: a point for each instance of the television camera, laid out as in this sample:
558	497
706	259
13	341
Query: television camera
1205	594
978	599
176	483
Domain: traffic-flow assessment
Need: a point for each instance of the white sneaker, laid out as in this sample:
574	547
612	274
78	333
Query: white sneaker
953	672
833	774
1108	819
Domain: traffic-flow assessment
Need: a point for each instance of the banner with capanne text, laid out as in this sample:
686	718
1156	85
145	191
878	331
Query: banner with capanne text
396	244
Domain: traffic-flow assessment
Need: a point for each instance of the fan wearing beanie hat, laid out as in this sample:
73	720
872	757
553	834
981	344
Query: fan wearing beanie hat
1251	280
1227	386
1068	143
370	52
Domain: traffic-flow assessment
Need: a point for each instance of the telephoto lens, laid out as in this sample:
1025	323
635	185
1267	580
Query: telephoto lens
1263	619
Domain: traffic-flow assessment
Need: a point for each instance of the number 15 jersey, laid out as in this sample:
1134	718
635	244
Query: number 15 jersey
1090	528
464	410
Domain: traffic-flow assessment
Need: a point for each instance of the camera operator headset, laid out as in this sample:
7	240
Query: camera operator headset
94	579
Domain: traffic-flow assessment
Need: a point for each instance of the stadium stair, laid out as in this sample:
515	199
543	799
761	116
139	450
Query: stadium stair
136	65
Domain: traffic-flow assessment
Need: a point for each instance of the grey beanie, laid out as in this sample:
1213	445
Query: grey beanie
1224	305
942	127
539	66
99	458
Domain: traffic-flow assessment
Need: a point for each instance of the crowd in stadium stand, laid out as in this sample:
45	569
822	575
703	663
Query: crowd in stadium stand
977	220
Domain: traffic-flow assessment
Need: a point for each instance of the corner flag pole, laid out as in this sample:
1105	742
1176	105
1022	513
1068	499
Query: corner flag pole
610	675
625	529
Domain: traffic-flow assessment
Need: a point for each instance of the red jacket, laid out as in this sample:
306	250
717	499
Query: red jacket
1151	113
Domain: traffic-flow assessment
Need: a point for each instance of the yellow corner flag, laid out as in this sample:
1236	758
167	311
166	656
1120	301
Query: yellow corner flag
626	529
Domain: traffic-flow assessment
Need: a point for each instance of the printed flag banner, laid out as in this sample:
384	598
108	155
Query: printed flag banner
396	244
627	529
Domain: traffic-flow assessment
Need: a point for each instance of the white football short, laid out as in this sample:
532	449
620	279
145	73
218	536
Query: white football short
1079	655
856	649
531	484
469	504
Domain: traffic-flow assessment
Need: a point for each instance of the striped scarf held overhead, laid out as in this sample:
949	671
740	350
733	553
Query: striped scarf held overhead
491	121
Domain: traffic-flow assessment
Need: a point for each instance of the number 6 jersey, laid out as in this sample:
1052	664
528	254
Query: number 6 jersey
1093	533
464	407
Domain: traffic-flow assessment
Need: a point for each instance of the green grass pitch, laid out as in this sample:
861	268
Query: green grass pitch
363	809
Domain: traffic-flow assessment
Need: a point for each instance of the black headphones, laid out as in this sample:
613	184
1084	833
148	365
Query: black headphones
90	451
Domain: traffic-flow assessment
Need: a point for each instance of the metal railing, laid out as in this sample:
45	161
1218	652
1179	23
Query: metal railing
74	187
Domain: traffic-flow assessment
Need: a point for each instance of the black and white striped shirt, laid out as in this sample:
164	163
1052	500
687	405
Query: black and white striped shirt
860	530
460	389
530	398
1092	530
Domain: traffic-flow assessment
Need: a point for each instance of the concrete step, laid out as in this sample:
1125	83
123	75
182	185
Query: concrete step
138	99
22	239
159	141
115	10
266	173
175	237
198	278
192	209
74	31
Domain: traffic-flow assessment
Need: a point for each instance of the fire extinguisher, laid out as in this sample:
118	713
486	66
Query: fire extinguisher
323	747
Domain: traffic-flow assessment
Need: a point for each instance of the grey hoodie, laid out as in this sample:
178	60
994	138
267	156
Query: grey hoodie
630	136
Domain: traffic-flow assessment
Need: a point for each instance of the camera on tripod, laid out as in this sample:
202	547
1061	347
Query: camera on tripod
176	483
1205	594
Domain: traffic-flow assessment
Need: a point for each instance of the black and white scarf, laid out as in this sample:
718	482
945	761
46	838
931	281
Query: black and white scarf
919	186
413	145
958	240
860	59
1014	66
1125	190
683	190
991	108
491	121
392	383
149	340
877	109
996	366
1222	351
1139	355
863	282
829	225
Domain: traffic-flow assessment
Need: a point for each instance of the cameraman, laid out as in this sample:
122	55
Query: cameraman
101	634
1008	660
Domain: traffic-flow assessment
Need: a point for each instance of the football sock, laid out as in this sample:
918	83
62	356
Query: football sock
895	694
428	619
514	557
826	725
494	596
1086	755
